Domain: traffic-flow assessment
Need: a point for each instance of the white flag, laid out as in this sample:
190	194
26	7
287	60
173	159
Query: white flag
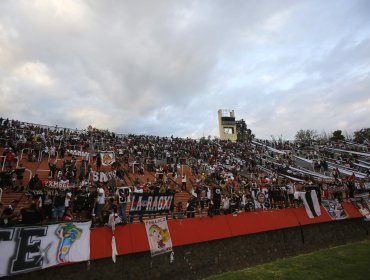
311	203
114	249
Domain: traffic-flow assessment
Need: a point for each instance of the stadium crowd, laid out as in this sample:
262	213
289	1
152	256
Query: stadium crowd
225	177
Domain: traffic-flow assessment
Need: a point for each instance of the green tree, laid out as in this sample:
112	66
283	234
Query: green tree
243	133
306	136
362	135
337	136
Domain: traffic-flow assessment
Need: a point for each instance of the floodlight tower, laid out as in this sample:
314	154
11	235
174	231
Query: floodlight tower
227	125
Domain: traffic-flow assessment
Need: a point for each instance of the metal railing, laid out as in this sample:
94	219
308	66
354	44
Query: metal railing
4	161
28	149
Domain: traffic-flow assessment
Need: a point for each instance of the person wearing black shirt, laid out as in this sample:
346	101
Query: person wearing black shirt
81	204
216	199
31	215
98	162
9	216
19	171
59	205
190	209
34	183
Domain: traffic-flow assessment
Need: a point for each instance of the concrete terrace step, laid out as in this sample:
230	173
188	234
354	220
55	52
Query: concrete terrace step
8	197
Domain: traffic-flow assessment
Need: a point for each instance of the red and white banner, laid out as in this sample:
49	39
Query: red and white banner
159	237
60	185
25	249
107	158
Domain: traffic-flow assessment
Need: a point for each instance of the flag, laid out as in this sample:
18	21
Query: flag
311	203
113	219
334	209
42	246
159	237
193	192
107	158
114	249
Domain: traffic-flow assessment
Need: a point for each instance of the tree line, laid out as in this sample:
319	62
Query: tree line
309	135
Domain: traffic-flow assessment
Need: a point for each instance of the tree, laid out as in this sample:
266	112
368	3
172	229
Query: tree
306	136
323	136
362	135
242	132
337	136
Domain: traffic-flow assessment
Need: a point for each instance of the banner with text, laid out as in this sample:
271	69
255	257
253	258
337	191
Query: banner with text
159	237
57	185
103	176
25	249
77	153
143	203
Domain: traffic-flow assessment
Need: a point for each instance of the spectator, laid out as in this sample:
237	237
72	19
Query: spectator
123	196
9	158
98	162
68	216
9	215
19	171
183	183
34	183
59	206
31	215
81	204
100	202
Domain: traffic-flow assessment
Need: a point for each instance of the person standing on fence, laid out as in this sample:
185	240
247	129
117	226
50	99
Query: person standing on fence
52	151
123	196
183	183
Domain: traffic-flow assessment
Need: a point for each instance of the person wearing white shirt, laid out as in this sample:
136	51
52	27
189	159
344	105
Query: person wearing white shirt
100	201
67	200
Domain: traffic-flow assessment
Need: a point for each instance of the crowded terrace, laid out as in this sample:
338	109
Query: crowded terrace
51	174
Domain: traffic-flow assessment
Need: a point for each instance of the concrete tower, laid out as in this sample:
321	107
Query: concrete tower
227	125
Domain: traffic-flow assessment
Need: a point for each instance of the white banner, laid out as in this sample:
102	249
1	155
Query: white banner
107	158
103	176
159	237
25	249
85	155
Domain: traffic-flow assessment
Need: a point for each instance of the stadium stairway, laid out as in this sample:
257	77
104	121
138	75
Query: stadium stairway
42	169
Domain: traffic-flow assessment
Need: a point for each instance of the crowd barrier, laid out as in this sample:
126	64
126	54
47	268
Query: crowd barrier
132	238
28	249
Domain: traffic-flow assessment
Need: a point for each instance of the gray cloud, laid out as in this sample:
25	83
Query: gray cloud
166	67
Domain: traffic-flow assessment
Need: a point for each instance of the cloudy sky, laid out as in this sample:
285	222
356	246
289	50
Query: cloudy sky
165	67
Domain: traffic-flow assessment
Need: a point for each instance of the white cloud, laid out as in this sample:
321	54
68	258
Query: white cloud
35	73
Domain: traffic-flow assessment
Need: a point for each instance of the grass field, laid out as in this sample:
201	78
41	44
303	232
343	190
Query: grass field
344	262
